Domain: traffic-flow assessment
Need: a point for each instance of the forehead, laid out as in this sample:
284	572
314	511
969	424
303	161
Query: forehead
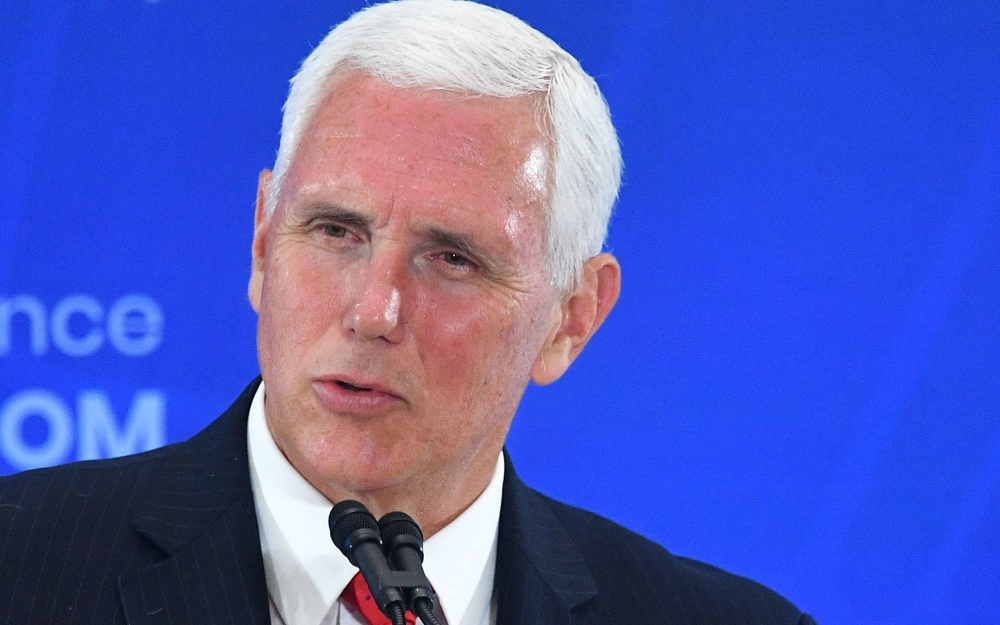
374	143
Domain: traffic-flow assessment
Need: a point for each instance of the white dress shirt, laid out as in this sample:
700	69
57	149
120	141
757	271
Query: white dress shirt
306	573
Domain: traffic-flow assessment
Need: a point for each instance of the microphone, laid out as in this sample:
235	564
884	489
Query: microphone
355	532
403	543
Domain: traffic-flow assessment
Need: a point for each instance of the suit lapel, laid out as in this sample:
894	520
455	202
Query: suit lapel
540	576
200	513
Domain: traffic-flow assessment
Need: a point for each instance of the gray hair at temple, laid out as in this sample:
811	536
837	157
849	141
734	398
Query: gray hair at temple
458	45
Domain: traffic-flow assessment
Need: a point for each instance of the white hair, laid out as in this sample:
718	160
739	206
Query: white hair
459	45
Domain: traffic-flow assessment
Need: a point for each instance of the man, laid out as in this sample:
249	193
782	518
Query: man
428	243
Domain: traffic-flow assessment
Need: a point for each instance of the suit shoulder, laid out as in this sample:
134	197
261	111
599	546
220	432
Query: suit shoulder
632	568
68	533
224	437
74	487
63	528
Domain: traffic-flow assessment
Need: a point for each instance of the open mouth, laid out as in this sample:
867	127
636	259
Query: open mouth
351	387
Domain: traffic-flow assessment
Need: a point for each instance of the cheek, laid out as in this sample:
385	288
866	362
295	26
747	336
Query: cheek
298	302
476	347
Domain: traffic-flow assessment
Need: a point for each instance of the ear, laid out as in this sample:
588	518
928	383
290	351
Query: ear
582	312
260	223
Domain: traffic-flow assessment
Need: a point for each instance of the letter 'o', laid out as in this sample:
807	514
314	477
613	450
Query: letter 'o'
35	402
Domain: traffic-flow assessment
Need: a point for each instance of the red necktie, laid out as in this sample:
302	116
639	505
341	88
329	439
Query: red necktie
358	596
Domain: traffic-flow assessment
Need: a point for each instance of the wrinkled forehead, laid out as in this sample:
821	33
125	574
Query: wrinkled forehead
501	138
466	127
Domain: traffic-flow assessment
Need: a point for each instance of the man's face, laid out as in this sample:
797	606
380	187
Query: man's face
402	287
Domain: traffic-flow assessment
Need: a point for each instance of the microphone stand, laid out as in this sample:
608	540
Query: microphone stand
356	534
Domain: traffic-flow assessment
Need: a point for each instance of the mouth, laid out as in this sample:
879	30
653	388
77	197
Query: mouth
357	385
350	387
348	395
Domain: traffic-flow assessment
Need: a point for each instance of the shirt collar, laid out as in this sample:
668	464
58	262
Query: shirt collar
306	573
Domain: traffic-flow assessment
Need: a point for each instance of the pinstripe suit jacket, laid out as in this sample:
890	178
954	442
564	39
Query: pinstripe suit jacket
170	536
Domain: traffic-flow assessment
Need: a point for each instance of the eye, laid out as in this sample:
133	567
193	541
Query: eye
334	230
456	259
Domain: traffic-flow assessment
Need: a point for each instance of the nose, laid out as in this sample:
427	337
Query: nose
376	311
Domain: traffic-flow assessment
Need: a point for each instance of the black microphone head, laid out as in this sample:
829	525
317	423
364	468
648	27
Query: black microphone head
351	523
399	528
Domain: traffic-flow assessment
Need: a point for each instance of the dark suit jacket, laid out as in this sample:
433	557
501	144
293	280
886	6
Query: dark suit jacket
170	536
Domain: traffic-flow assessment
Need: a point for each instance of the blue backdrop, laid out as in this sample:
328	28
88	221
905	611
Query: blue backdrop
799	383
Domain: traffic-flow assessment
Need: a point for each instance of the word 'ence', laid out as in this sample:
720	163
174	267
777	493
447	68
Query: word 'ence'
79	326
37	428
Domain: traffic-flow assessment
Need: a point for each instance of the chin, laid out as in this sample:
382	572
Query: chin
360	467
